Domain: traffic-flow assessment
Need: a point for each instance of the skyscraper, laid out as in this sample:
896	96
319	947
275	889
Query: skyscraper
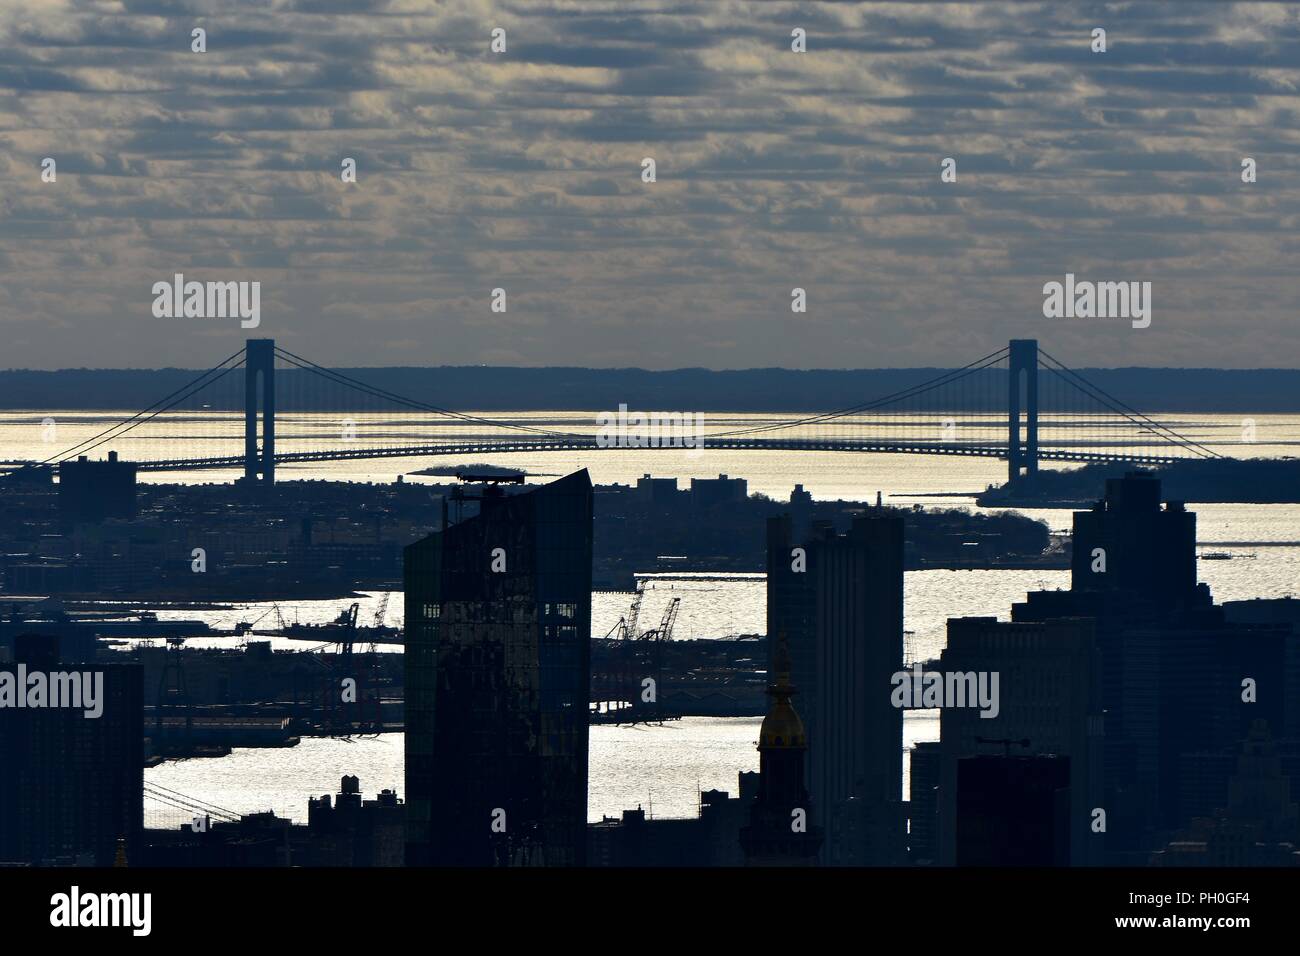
1128	543
498	624
71	777
839	598
1013	811
923	803
1047	702
1174	671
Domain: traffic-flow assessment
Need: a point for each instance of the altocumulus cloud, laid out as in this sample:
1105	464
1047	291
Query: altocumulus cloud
522	171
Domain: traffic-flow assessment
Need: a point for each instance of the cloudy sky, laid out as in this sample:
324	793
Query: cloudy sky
522	170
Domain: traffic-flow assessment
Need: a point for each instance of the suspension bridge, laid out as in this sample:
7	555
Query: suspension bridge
1019	404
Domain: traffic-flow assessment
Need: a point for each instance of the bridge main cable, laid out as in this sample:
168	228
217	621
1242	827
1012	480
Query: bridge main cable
1099	394
945	379
190	388
339	378
201	804
180	801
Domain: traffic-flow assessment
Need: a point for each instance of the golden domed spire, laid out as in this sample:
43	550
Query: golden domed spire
782	727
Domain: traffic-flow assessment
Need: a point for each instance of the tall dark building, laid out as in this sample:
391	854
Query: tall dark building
781	831
1013	811
498	625
839	598
71	781
1143	548
923	803
1174	669
1048	701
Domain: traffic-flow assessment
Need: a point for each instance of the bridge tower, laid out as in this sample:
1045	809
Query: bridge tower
1022	447
259	368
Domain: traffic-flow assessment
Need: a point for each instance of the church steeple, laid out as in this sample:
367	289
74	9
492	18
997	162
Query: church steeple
782	728
780	831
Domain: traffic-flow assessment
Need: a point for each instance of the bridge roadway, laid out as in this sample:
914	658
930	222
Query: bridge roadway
587	443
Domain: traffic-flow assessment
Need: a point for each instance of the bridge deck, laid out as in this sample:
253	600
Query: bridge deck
588	444
1020	359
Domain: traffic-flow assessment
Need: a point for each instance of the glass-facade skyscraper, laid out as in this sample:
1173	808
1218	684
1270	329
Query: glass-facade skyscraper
498	626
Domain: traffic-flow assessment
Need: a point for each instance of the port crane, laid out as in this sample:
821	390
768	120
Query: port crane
245	627
656	638
664	632
627	624
347	620
630	632
379	618
639	656
344	666
173	695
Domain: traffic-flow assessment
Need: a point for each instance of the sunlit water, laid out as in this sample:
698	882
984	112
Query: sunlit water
38	435
662	768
